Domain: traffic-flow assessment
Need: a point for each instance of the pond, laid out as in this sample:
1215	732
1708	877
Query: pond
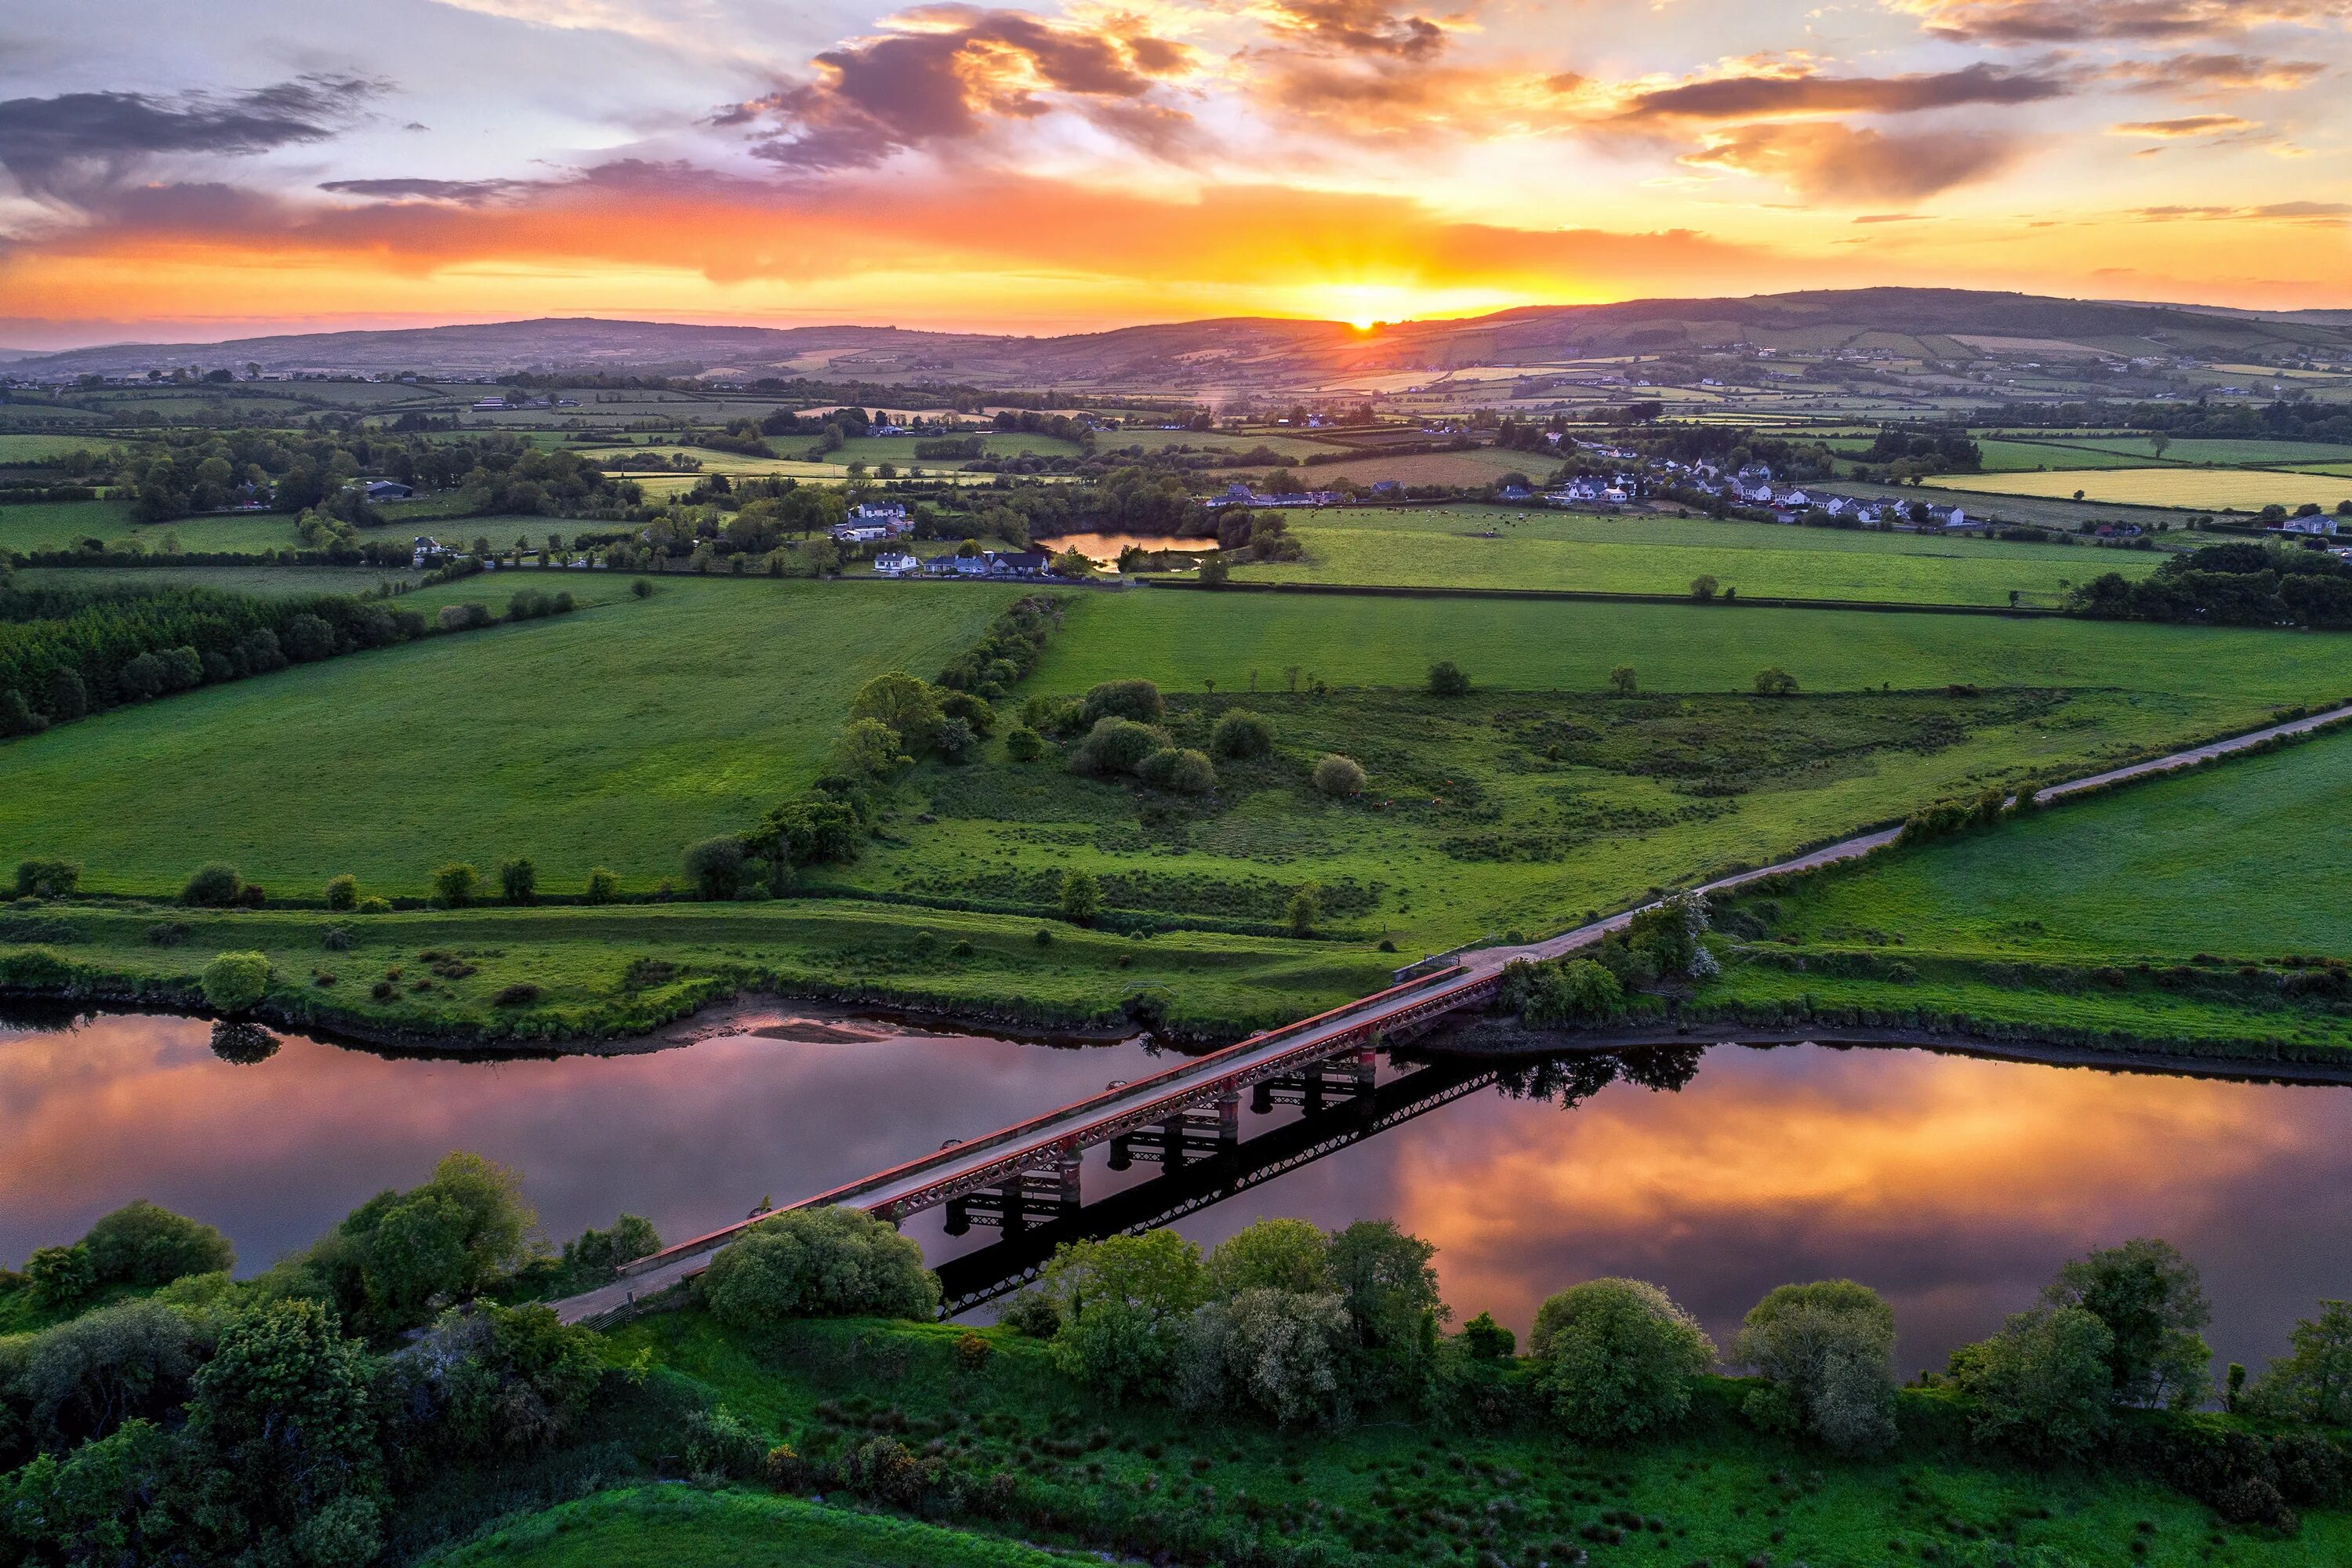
1102	548
1954	1185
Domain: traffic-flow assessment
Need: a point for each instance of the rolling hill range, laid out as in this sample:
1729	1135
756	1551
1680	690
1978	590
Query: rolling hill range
1254	352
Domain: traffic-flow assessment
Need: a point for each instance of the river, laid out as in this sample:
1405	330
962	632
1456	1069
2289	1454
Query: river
1955	1186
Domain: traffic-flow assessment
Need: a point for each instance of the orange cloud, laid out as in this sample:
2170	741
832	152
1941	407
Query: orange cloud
1827	162
2175	130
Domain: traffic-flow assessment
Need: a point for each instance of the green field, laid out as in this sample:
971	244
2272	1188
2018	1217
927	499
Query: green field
660	1527
1183	636
2178	866
62	525
1640	553
2144	916
2012	457
612	736
43	449
2211	489
264	579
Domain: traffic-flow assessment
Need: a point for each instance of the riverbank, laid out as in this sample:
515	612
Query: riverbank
614	978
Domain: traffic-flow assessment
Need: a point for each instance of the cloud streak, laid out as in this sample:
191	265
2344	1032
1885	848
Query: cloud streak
67	145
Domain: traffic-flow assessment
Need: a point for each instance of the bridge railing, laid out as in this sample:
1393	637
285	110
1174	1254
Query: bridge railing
1004	1138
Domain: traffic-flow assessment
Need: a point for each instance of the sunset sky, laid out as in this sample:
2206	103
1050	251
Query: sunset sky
201	171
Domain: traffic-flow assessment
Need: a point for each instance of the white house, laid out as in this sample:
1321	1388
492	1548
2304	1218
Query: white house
895	564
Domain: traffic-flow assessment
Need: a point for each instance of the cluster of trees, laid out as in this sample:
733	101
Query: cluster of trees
169	1414
314	471
1118	729
1660	944
2234	584
2283	420
1911	451
67	653
1732	447
1007	651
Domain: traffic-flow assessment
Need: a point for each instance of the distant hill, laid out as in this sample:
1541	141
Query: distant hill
1254	353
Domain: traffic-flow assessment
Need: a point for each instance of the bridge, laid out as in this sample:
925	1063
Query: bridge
1029	1173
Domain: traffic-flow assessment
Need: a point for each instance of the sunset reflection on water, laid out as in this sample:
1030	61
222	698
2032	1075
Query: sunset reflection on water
1955	1186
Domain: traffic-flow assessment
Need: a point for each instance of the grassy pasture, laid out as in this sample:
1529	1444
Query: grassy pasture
612	736
2022	456
1643	553
2213	489
24	448
2194	863
262	580
1233	441
1180	637
61	525
1481	466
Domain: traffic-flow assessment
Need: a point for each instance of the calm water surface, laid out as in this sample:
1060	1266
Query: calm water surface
1954	1185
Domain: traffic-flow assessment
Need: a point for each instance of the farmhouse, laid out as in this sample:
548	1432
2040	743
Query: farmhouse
388	489
425	551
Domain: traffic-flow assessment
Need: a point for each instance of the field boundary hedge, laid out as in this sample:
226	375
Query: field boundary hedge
1739	601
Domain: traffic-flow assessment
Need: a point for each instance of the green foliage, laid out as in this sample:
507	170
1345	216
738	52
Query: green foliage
910	706
2153	1304
46	879
1288	1254
602	887
1561	993
233	981
824	1262
1485	1340
867	748
518	880
1081	899
1827	1351
343	892
1304	909
1447	679
1023	744
1624	681
281	1440
85	1377
1338	776
1124	1300
2042	1385
454	884
95	1504
400	1258
1280	1351
492	1382
215	885
1138	701
594	1255
1116	745
1179	770
1615	1359
1774	681
144	1244
60	1278
2314	1381
715	868
1033	1314
1241	735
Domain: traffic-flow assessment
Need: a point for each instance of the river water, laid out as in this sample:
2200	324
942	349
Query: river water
1955	1186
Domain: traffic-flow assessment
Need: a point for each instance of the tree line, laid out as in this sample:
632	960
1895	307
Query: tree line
2245	585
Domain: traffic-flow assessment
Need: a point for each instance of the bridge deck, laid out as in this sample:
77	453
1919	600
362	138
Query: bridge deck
1001	1156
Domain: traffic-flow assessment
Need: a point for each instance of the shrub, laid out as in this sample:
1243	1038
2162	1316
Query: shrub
60	1278
1115	745
1242	734
462	617
518	880
1179	770
2153	1304
1081	897
342	892
1574	991
1827	1349
306	637
1624	681
1023	744
1703	587
823	1262
2312	1384
1031	1313
454	884
126	1361
145	1244
373	906
604	887
1774	681
2042	1383
1304	909
521	994
1616	1358
1447	679
1139	700
214	886
46	879
1124	1301
642	588
336	937
973	1353
1338	776
1280	1351
233	981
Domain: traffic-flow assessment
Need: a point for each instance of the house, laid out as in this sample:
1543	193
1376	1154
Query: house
1019	564
895	564
1514	493
849	533
424	552
2312	525
388	489
945	565
888	516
